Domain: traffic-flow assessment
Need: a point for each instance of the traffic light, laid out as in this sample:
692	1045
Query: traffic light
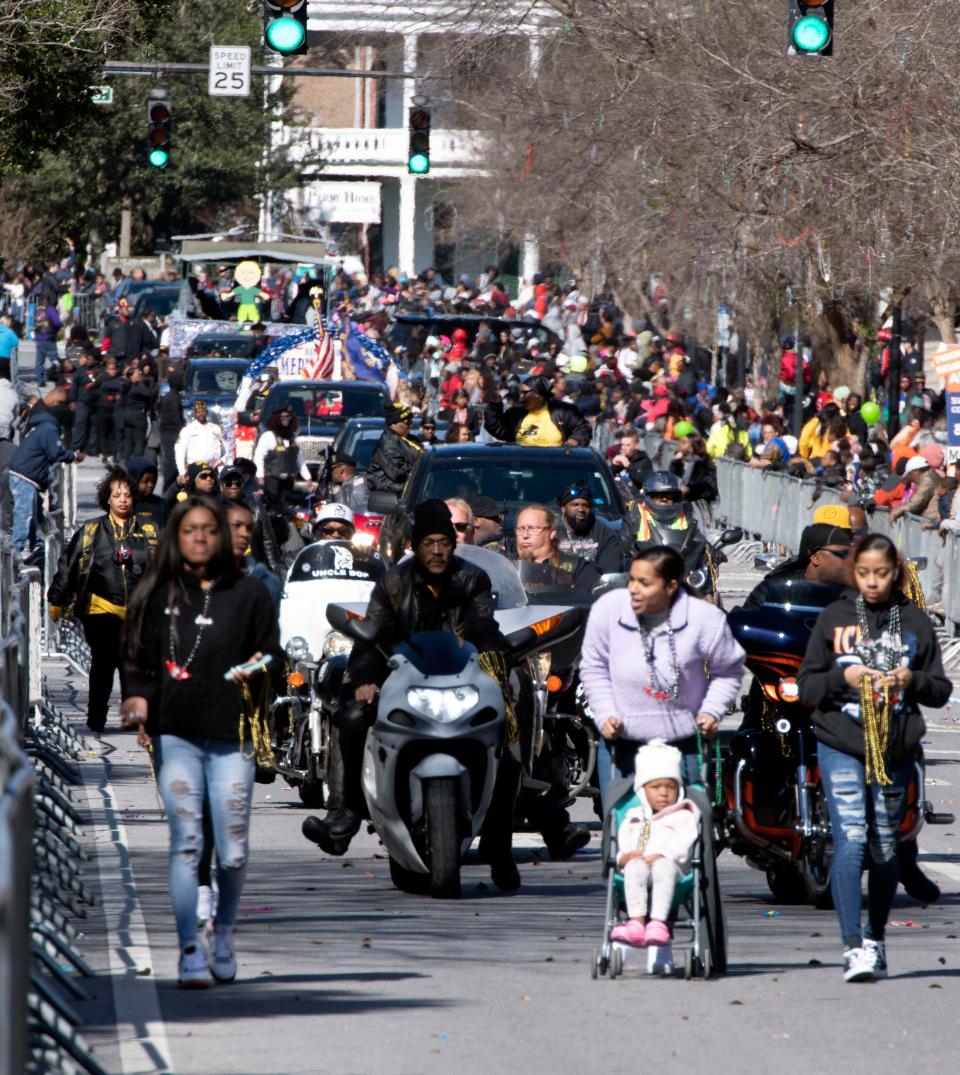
158	129
418	147
810	27
285	26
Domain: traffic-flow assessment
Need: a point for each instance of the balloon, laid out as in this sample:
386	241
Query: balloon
682	429
870	412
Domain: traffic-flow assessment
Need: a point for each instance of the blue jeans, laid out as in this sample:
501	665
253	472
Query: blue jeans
191	770
24	527
863	816
616	759
46	350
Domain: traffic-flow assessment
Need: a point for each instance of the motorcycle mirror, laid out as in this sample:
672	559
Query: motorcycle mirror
731	536
766	561
611	581
349	624
919	562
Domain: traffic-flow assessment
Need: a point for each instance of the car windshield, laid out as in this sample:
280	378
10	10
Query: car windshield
516	482
363	451
219	347
216	379
161	302
325	403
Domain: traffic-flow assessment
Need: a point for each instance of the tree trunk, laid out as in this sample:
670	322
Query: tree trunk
944	311
831	333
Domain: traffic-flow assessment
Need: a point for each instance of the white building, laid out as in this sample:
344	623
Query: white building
359	125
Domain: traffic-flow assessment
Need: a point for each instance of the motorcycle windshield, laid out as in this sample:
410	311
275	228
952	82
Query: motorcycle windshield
508	591
546	584
799	594
335	560
436	653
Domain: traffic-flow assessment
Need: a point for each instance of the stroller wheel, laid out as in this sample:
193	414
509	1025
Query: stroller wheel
688	964
706	968
595	964
616	963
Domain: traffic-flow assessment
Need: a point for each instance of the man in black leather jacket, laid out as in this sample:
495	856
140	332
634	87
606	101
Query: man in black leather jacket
559	423
430	591
396	453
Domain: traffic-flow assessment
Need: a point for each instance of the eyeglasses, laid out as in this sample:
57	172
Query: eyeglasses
530	529
437	543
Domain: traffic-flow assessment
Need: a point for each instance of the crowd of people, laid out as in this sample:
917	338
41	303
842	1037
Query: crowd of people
176	581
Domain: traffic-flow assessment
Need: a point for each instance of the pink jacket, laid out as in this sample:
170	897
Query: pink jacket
673	832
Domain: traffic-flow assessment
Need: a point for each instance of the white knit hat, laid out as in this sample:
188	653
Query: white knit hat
657	760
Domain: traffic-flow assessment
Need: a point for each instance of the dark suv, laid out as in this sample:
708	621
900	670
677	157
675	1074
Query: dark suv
514	476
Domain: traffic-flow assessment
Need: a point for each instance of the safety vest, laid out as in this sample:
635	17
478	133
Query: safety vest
643	534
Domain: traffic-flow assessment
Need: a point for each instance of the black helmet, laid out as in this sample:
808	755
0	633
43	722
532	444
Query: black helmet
662	483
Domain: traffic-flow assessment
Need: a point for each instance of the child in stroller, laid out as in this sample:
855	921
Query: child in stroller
655	841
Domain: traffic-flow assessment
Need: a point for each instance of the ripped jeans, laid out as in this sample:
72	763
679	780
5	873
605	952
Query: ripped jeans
190	769
863	816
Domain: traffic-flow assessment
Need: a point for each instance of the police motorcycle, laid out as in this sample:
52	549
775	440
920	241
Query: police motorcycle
775	813
662	517
321	574
431	757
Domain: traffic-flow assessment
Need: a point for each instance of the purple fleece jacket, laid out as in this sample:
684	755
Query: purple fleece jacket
613	669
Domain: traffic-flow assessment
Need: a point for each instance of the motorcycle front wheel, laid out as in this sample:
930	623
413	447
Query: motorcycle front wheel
442	808
786	884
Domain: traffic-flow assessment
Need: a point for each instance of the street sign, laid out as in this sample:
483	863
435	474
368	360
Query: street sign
953	420
229	71
101	95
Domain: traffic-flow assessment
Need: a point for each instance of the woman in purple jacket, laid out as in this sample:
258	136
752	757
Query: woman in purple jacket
657	663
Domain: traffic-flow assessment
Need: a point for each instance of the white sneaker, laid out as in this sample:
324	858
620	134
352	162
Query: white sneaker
660	960
194	972
223	959
858	965
877	951
204	904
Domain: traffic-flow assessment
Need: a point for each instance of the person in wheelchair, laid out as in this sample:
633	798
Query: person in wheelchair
655	841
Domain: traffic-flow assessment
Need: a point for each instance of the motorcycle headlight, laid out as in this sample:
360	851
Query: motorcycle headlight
363	540
297	649
337	645
443	703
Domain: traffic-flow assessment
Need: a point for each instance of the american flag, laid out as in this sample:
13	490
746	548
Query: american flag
319	366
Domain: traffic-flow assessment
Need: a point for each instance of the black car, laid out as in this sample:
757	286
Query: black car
514	476
322	408
161	298
214	380
360	436
405	327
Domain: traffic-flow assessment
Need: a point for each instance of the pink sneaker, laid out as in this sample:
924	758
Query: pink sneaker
657	933
631	932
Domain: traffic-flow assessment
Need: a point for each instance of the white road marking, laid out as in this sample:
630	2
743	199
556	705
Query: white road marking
141	1033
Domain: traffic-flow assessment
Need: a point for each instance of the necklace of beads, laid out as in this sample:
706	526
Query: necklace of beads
179	670
657	688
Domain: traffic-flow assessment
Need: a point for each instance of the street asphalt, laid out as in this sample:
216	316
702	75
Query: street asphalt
340	973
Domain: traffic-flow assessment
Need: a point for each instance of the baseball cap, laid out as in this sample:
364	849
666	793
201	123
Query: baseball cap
818	535
485	507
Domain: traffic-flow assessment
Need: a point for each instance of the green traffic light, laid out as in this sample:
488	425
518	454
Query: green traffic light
811	34
284	34
158	158
418	164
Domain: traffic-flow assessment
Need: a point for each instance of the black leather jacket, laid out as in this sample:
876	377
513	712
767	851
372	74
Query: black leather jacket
393	461
404	603
88	565
565	416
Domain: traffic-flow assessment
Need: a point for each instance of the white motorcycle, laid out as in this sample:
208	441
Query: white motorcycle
327	572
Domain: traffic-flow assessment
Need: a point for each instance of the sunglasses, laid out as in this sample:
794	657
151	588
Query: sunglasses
335	530
230	483
461	528
841	554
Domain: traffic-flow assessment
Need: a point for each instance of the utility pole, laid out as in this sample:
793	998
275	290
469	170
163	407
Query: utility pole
893	371
798	379
126	214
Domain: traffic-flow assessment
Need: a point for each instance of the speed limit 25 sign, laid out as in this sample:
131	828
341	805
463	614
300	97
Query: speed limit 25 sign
229	71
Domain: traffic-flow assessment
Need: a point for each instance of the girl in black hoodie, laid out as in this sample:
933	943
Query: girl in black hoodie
871	662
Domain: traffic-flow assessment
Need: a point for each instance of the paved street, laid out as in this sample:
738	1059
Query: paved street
341	973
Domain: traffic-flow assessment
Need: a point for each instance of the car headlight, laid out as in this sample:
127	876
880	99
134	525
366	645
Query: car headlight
337	645
298	650
363	540
443	703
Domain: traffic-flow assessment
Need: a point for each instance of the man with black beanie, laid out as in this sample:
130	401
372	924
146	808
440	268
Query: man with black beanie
430	591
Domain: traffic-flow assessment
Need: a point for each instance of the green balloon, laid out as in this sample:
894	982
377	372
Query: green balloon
870	412
682	429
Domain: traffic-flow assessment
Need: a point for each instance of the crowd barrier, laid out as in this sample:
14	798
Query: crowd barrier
42	890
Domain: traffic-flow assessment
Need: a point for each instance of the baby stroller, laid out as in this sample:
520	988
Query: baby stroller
696	902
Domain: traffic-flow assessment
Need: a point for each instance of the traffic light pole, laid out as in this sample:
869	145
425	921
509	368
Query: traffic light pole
120	67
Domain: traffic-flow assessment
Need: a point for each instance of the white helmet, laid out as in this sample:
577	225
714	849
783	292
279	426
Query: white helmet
329	512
